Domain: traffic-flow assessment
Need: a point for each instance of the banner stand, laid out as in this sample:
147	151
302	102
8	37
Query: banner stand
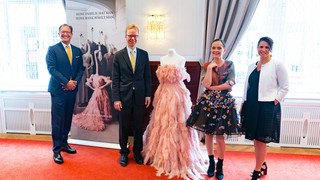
93	143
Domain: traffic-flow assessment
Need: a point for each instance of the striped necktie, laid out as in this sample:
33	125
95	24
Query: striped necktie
69	54
132	60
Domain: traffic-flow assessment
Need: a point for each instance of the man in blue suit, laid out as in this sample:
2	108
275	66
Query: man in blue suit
131	91
65	65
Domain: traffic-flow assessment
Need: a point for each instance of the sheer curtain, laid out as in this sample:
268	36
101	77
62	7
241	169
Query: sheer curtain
294	28
228	20
27	29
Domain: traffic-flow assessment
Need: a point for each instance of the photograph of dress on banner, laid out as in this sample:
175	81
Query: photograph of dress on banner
97	59
93	109
98	110
98	35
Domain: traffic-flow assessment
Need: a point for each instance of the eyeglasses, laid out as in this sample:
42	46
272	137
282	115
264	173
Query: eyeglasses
65	32
132	36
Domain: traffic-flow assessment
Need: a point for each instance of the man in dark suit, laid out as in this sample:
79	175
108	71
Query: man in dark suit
131	91
65	65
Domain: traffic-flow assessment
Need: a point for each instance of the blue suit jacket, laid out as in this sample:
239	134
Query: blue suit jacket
60	69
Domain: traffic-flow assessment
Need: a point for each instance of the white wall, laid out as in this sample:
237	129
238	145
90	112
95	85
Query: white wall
183	26
120	25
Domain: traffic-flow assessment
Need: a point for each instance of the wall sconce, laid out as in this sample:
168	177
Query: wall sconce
155	26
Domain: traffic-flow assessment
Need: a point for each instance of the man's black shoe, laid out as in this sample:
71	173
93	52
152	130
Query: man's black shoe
124	160
139	159
68	149
57	158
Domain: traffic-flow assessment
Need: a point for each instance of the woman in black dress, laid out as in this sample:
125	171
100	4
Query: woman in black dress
265	86
215	110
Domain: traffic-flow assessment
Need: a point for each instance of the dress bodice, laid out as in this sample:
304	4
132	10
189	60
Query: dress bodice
97	81
172	74
224	73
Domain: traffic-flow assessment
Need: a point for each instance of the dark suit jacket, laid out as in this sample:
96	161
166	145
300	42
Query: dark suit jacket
125	82
59	67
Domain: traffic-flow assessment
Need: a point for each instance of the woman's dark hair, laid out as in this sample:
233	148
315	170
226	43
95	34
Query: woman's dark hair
222	41
268	40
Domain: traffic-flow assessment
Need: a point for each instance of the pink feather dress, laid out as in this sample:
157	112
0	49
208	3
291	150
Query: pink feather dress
169	145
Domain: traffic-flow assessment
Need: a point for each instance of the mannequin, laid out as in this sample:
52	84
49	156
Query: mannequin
169	145
172	58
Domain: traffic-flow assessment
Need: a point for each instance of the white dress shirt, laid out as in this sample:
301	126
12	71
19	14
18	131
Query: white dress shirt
273	81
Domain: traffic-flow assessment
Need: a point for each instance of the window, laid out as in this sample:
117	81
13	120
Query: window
294	27
27	29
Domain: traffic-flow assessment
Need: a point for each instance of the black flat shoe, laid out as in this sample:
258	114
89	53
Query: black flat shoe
57	158
139	159
124	160
211	168
219	172
68	149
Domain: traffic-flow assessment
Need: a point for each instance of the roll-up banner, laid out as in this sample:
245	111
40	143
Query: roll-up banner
98	29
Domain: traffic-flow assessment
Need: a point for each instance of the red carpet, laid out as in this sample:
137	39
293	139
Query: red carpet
26	159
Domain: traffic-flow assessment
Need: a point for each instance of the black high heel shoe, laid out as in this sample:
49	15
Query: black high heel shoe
265	170
219	173
256	175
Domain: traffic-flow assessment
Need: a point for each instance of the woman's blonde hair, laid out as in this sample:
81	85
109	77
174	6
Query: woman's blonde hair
131	26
